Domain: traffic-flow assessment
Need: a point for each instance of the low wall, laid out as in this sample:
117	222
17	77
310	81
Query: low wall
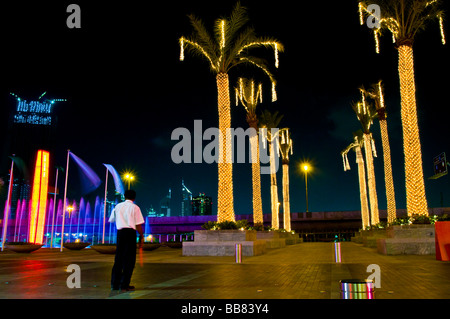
300	222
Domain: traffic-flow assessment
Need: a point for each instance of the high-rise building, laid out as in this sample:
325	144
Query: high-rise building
201	205
165	204
186	200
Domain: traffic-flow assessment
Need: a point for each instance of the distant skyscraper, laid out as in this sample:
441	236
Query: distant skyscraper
201	205
165	204
186	200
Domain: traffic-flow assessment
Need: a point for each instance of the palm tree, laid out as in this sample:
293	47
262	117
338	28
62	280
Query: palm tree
286	150
228	48
271	121
250	96
404	19
376	93
358	142
365	114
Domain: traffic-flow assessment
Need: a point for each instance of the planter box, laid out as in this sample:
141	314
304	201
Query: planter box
291	238
369	237
408	240
223	248
104	249
406	246
22	247
442	238
224	235
75	246
411	231
222	243
272	238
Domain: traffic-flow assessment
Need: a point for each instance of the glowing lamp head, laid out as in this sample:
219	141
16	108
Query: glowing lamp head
305	167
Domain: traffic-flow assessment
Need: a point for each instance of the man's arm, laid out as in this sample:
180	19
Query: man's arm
141	234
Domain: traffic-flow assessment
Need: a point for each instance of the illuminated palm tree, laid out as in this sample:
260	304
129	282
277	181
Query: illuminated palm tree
286	150
376	93
358	142
365	114
228	48
271	121
404	18
250	95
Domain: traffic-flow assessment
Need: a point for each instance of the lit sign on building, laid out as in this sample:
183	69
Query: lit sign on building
34	112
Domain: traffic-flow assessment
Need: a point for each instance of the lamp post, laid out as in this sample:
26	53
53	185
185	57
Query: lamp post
129	178
305	169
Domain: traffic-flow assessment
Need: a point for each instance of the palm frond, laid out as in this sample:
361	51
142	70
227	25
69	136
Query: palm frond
238	19
261	64
404	18
270	120
202	37
196	49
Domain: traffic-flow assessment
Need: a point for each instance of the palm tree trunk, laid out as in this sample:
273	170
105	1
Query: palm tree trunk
273	188
256	178
225	206
388	179
362	188
374	213
286	202
416	202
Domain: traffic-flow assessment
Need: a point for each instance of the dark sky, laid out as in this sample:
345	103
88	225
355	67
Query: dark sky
127	91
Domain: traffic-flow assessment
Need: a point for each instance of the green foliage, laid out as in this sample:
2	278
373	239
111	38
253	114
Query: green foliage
210	225
259	226
414	220
243	223
421	219
240	224
227	225
400	221
238	40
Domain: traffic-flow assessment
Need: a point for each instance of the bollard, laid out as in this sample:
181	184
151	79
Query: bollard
238	253
337	252
357	289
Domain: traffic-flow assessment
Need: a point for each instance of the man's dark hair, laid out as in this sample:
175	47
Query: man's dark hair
130	194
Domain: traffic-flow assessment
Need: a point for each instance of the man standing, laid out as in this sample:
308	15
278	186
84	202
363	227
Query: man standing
129	219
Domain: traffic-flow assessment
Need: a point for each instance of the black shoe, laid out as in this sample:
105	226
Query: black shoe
115	288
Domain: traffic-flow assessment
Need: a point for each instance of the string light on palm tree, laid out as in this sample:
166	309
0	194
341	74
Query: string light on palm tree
376	93
404	19
268	122
250	95
365	114
358	143
229	47
286	150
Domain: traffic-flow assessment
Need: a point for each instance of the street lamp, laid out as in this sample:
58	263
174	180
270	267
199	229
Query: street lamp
129	178
305	169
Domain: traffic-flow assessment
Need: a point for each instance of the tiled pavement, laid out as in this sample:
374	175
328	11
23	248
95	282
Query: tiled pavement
302	271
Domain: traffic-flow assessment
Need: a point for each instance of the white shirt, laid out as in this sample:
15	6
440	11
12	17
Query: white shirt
126	215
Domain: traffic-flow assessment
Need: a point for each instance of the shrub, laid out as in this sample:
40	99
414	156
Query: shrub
243	223
210	225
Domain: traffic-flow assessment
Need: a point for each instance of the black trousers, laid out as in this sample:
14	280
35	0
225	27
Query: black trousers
125	258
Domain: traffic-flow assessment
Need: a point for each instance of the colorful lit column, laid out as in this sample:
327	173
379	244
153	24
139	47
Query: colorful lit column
39	197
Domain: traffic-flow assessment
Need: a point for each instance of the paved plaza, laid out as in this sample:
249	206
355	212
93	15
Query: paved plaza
302	271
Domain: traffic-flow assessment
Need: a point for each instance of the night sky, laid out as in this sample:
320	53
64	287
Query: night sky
127	91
